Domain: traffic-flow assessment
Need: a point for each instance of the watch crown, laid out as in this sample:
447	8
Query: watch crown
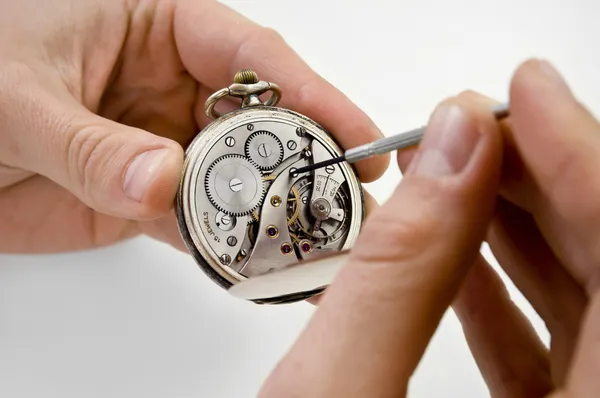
246	76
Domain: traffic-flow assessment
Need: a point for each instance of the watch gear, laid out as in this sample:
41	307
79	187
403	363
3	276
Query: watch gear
301	221
254	217
234	185
240	211
264	149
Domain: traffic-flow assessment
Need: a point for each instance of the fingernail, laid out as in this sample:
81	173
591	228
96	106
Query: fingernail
551	75
141	173
447	145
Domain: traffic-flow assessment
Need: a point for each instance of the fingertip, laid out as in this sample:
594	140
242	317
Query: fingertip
121	171
480	285
152	179
315	300
525	70
405	156
484	155
520	78
371	169
371	203
165	229
533	77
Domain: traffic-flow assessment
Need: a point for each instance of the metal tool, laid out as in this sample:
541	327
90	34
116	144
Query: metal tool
315	274
385	145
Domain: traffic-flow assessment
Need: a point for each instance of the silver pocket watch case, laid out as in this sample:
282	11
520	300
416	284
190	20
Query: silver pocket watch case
241	210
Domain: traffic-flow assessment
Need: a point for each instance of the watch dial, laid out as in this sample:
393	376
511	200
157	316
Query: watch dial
247	214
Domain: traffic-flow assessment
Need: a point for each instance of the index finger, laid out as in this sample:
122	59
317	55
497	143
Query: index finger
375	320
214	42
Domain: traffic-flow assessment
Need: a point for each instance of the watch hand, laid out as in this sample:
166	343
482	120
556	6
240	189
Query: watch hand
385	145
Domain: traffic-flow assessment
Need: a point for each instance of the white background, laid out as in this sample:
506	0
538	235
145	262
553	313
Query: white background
141	320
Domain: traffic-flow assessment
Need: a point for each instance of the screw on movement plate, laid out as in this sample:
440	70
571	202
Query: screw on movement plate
241	255
232	241
292	145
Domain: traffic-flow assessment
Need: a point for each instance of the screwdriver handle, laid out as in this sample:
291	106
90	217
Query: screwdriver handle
385	145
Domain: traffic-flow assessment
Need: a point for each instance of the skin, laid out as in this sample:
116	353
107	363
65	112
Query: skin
529	192
86	86
544	235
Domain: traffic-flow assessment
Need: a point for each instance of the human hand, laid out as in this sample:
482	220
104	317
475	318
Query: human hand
97	99
377	317
545	237
379	314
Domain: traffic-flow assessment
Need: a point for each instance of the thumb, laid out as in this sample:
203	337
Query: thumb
114	169
376	319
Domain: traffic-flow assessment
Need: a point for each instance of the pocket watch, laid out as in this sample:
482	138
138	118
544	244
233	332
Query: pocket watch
243	212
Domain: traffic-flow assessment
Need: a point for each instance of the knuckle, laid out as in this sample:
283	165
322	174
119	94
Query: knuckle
568	196
86	157
14	97
258	38
32	123
572	169
305	93
302	91
270	35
